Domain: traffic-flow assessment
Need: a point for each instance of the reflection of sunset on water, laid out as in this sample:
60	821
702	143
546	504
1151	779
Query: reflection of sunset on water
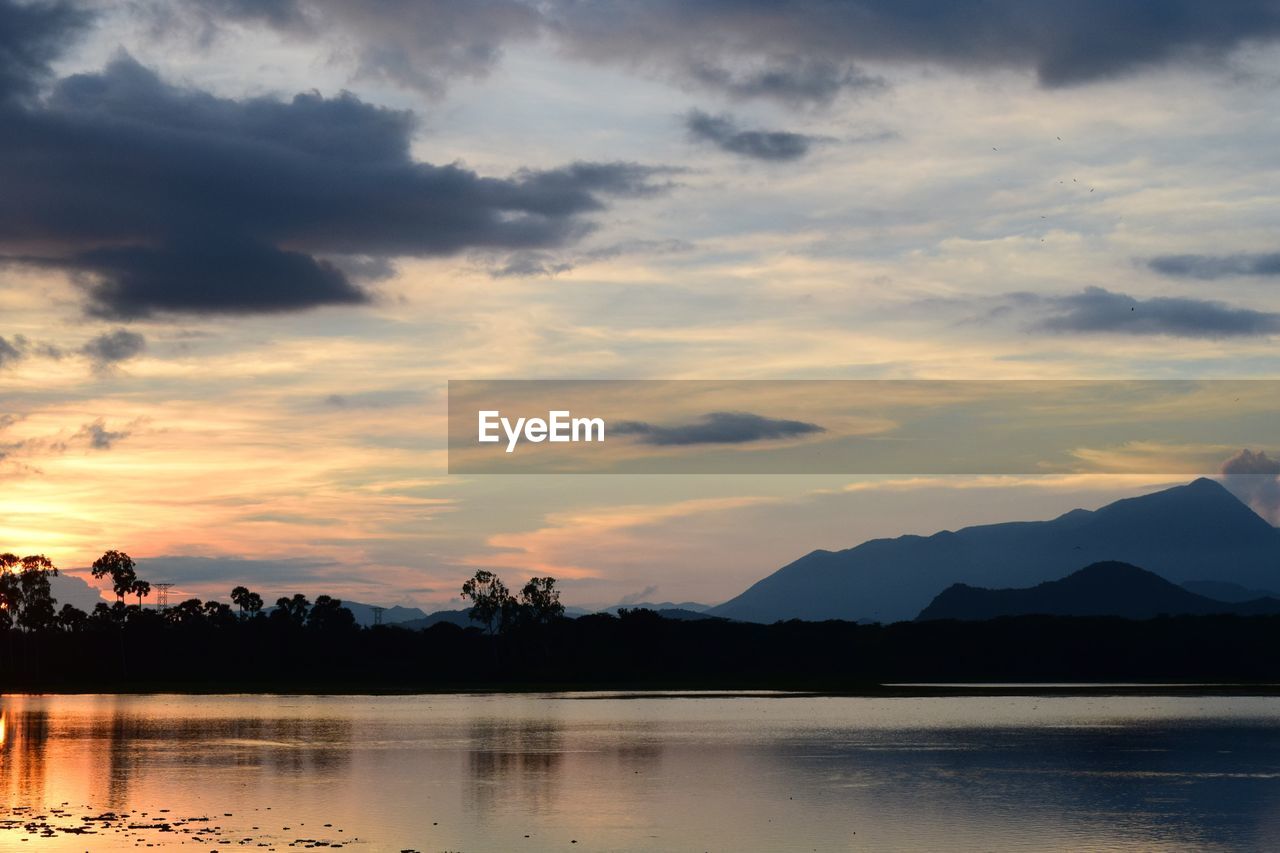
4	729
623	772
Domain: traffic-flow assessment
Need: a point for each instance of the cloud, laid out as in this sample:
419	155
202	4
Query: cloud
31	36
20	347
373	399
1255	479
637	597
420	44
717	428
1217	266
801	52
114	347
8	353
540	264
267	576
1062	43
652	248
1098	310
164	199
99	437
723	132
531	265
789	79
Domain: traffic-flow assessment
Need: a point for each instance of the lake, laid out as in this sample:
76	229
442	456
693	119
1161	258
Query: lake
607	771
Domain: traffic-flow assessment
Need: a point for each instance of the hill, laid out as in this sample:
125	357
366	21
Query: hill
390	615
462	619
1194	532
685	606
1102	589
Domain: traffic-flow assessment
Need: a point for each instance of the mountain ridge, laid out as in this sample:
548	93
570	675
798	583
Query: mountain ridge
1100	589
1192	532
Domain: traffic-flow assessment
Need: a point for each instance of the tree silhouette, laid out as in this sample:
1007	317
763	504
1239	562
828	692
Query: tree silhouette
10	590
490	600
250	603
328	614
37	610
26	598
294	609
72	618
141	589
219	614
189	612
121	568
540	601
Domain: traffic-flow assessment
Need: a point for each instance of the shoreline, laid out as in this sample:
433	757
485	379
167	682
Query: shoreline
670	690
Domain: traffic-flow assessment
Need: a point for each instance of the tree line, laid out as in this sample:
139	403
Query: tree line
27	601
522	639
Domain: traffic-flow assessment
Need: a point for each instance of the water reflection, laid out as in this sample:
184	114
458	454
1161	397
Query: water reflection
514	761
22	767
661	774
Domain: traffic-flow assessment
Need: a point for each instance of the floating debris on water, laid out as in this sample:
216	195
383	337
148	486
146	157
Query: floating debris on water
144	829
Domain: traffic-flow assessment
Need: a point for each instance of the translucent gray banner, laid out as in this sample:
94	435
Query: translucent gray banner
902	427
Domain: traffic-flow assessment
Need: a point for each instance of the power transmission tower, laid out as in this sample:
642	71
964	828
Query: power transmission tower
162	595
377	615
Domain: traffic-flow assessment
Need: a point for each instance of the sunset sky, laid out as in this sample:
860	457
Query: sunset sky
244	246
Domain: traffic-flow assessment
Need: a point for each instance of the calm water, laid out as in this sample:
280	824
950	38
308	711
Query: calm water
610	772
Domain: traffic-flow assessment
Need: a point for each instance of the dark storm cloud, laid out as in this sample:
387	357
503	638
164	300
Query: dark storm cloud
32	36
113	347
160	198
197	278
723	132
1254	477
717	428
1099	310
1217	266
799	51
1063	43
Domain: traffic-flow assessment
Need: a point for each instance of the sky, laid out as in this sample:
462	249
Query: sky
245	245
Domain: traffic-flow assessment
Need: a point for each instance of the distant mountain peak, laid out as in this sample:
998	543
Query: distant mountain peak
1205	483
1110	570
1195	531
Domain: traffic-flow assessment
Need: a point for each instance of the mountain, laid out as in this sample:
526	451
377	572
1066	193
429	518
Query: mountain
1102	589
1194	532
667	612
461	618
390	615
687	606
1226	591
